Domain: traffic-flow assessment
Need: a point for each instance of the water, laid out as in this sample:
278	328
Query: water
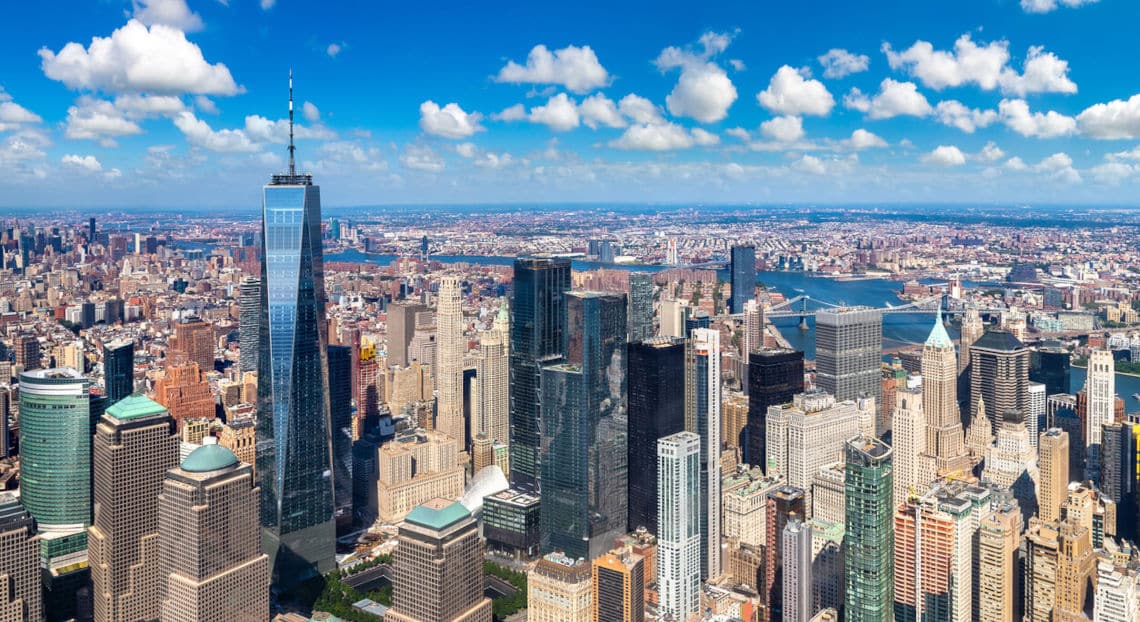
1125	386
354	255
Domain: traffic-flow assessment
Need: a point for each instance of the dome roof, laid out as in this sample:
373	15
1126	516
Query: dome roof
135	407
209	458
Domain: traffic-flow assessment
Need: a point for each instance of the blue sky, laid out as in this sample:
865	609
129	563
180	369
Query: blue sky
181	102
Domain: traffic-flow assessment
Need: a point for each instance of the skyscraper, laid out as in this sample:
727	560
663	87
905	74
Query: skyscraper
340	414
584	429
22	596
870	554
119	369
185	391
784	503
55	478
538	319
944	436
1118	473
493	397
210	565
1041	567
797	557
1053	462
401	328
913	465
849	352
743	274
450	348
249	314
679	524
656	410
774	378
1100	395
999	575
753	339
194	341
135	444
702	417
808	435
640	306
294	443
1051	366
439	567
28	351
1012	463
559	589
619	587
999	375
972	329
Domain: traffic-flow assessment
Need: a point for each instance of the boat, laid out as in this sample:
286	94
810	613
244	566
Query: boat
1136	396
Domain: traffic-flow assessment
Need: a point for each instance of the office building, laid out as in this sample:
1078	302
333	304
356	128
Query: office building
619	587
1119	473
194	342
512	522
538	319
118	369
745	506
249	314
640	306
28	355
1100	404
999	572
702	417
401	329
1051	365
452	346
734	418
999	376
944	436
972	329
914	466
55	479
135	444
743	275
774	378
414	469
210	564
1053	466
849	352
1011	463
656	410
679	524
1059	564
869	546
340	415
439	567
828	494
584	490
369	383
22	595
184	390
559	589
1035	419
1117	593
808	434
492	408
294	440
784	503
796	542
239	435
753	337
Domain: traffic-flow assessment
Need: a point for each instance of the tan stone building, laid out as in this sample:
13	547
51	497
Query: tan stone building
559	589
999	536
22	595
1053	465
415	469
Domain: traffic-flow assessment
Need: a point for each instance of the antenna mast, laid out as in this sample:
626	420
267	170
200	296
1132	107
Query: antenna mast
292	168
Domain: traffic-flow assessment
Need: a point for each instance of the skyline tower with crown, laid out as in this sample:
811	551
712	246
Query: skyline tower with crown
294	443
944	436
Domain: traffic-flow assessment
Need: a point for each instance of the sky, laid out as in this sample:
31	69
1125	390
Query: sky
184	103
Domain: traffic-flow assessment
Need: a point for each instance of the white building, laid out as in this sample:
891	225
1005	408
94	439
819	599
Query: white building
808	435
679	524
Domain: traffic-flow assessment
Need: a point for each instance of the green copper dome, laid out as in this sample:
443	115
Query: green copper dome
209	458
135	407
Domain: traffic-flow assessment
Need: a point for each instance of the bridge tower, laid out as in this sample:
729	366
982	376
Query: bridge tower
804	315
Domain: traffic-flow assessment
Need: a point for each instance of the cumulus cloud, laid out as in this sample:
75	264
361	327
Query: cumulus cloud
783	129
13	115
345	154
200	134
703	91
135	58
142	106
172	13
516	112
1046	6
945	155
333	49
598	109
492	160
310	111
662	137
1113	173
956	114
559	114
1115	120
893	100
421	158
640	109
449	122
986	66
1044	72
97	119
838	63
1015	114
576	68
261	129
1016	164
86	164
1059	168
990	153
205	104
813	165
862	139
790	92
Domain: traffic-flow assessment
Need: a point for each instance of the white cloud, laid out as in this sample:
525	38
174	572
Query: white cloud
113	174
956	114
421	158
1059	167
1016	164
87	164
1046	6
598	109
894	99
559	114
1113	173
838	63
783	129
576	68
205	104
640	110
261	129
516	112
662	137
703	91
342	154
310	112
13	115
990	153
142	106
333	49
449	122
986	66
489	159
1016	116
1115	120
135	58
945	155
737	64
200	134
23	147
1125	155
467	150
819	166
267	4
739	132
96	119
172	13
789	92
862	139
1044	72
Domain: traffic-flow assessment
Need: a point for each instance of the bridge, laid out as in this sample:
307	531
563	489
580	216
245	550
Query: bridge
924	306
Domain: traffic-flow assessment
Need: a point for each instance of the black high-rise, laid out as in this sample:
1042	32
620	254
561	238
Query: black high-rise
774	377
656	409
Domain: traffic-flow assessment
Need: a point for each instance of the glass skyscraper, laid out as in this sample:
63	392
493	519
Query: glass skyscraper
640	306
656	410
774	378
538	318
849	352
870	555
294	444
119	370
743	276
340	413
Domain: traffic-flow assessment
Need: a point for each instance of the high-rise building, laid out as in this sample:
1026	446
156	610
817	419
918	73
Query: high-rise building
913	465
619	587
999	574
369	387
401	329
1100	396
439	567
119	369
1118	472
340	414
249	314
870	552
796	545
734	416
451	347
702	417
538	319
210	564
774	378
746	507
1059	564
28	351
1011	462
972	329
584	490
743	273
22	596
414	470
753	339
492	406
559	589
194	341
1050	365
783	504
656	410
1053	465
135	444
1117	593
944	436
808	435
55	478
679	524
999	376
640	306
828	492
185	391
294	440
849	352
1035	419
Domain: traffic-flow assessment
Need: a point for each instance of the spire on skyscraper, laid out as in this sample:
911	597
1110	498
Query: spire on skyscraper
938	336
292	148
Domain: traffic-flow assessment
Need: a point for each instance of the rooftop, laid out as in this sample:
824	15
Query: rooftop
135	407
437	514
209	458
938	336
999	340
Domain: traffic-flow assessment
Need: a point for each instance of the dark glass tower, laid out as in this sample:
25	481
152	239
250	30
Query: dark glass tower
656	410
640	308
1051	367
584	425
774	377
249	314
743	277
119	370
340	412
538	318
294	444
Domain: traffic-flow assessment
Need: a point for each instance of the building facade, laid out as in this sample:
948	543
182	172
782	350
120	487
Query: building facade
869	555
656	410
849	352
774	378
679	524
702	417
